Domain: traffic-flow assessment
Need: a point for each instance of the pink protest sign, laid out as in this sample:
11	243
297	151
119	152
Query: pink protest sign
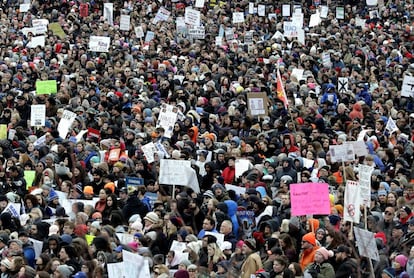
309	198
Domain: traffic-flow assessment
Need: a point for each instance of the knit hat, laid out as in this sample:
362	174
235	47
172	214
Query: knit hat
176	221
66	238
310	237
181	274
111	186
326	254
88	190
251	243
152	217
239	244
406	209
65	270
313	223
390	272
208	194
402	260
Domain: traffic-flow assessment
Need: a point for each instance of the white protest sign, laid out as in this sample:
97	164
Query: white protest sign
108	13
326	59
149	36
261	10
242	165
12	132
340	13
286	10
238	189
162	15
124	22
116	270
13	209
352	202
40	141
178	172
360	149
297	19
99	43
135	265
315	19
248	37
290	29
218	236
178	246
277	35
324	11
199	3
341	153
359	22
40	25
364	174
298	73
192	17
308	163
238	17
37	41
251	8
149	150
343	84
391	126
125	238
372	2
167	119
139	32
197	32
37	245
229	33
219	41
367	247
65	123
407	89
256	106
23	8
38	115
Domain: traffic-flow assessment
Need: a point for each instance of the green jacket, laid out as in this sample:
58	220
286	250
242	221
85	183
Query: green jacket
325	270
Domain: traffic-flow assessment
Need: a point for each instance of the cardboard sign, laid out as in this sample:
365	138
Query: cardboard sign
124	22
162	15
257	104
192	17
57	30
99	44
197	32
38	115
178	172
310	198
341	153
65	123
238	17
407	89
46	87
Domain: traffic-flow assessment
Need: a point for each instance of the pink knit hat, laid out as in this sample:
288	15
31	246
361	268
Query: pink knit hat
326	254
402	260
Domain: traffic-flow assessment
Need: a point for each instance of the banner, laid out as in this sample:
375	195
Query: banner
46	87
99	43
364	174
310	198
352	202
65	123
192	17
38	115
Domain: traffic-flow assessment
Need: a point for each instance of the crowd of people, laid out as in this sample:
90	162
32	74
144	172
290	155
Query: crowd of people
347	79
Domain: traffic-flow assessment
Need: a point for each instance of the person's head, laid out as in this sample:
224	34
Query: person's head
342	252
280	264
308	241
249	246
296	269
209	223
322	255
226	227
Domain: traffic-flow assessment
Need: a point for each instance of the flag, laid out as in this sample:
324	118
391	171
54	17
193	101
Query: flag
281	90
391	126
352	202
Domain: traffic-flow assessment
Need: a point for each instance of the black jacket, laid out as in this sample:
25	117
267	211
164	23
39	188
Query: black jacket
134	206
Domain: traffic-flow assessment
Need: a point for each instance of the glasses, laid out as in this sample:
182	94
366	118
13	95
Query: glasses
304	241
388	213
191	270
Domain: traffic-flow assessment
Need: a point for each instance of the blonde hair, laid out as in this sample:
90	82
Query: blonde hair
218	254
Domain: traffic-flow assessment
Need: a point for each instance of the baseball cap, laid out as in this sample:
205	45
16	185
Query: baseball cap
343	248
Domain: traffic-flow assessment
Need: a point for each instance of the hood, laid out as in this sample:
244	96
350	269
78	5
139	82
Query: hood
357	107
231	206
195	135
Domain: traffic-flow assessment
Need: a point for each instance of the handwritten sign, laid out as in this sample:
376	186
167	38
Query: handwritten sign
341	153
124	22
65	123
99	43
407	89
352	201
192	17
367	246
162	15
197	32
178	172
257	103
290	29
364	173
238	17
310	198
46	87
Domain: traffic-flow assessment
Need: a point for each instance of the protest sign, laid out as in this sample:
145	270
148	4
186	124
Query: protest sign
242	165
37	246
229	34
46	87
40	25
238	17
251	8
297	19
257	104
342	153
3	131
238	189
166	120
116	270
108	13
197	33
149	150
124	22
218	236
298	73
23	8
178	172
149	36
352	202
57	30
192	17
38	115
314	20
372	2
286	10
199	3
65	123
139	32
324	11
364	174
29	176
360	149
407	89
391	126
367	247
343	84
132	183
162	15
310	198
290	29
37	41
83	10
99	43
125	238
13	209
135	265
340	13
